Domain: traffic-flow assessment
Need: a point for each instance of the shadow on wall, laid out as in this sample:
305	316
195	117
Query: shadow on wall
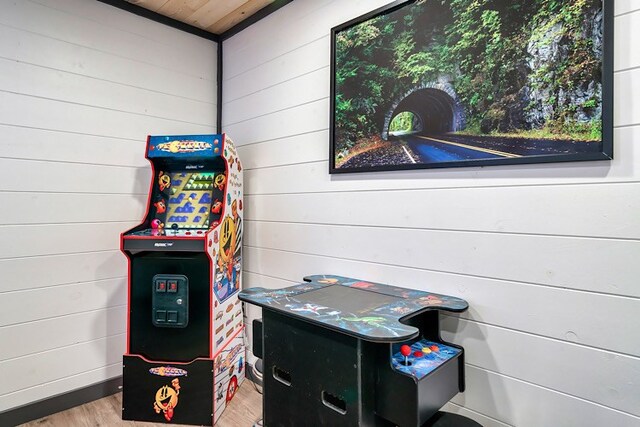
478	381
115	322
141	185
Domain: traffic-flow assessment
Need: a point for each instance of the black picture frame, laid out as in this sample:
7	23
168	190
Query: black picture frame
583	150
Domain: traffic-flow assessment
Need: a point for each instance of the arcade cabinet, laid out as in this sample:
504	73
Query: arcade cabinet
185	347
345	352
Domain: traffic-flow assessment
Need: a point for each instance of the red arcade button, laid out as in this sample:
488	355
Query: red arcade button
173	286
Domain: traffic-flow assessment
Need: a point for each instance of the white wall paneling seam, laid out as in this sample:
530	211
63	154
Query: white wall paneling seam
36	271
59	55
127	23
468	254
623	7
52	208
56	287
69	299
45	113
57	100
59	25
86	83
62	347
41	335
484	420
545	254
51	388
424	209
545	308
528	405
227	103
277	61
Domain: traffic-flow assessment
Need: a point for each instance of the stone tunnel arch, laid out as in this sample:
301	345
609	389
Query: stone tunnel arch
435	104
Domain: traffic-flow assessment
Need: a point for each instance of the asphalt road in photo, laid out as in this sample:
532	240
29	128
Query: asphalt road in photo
416	148
449	147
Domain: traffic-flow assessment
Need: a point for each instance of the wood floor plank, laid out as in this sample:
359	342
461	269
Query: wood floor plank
243	411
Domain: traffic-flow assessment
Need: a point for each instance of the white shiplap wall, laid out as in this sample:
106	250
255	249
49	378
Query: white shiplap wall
547	255
81	85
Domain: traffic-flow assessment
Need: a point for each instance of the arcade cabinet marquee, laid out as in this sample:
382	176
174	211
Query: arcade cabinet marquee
185	348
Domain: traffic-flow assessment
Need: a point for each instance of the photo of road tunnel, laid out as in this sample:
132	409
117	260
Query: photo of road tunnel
430	84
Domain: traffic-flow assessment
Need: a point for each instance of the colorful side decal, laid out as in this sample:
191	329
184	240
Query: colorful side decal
227	279
229	373
231	389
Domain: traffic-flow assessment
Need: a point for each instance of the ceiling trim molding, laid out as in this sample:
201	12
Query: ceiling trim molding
261	14
154	16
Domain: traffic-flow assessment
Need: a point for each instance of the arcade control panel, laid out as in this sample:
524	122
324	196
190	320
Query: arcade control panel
421	357
170	301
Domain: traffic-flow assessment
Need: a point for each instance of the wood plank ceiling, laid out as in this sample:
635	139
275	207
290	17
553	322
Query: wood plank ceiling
214	16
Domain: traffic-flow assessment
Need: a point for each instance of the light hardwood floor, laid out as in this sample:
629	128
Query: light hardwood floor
243	411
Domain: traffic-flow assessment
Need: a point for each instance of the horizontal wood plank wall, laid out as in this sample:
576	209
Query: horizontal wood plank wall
82	85
546	255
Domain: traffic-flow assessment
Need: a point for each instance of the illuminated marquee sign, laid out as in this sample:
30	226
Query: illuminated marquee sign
184	146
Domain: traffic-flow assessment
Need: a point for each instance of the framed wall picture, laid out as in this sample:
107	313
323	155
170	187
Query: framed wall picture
434	84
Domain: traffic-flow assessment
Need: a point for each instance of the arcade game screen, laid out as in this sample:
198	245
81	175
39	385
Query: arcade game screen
346	299
190	199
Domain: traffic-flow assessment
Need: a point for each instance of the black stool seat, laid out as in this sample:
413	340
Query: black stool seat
447	419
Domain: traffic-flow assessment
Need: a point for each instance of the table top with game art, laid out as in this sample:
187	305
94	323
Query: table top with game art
366	310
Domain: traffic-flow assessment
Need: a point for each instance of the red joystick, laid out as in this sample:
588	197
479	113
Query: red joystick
405	350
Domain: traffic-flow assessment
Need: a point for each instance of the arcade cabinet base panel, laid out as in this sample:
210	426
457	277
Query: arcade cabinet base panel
168	393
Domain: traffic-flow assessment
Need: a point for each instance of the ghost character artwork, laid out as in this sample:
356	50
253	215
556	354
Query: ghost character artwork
184	268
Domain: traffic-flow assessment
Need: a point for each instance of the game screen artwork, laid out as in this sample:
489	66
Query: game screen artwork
190	199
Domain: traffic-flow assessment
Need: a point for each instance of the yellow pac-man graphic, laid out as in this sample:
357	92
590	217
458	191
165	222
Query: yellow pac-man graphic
164	181
227	239
219	181
167	399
